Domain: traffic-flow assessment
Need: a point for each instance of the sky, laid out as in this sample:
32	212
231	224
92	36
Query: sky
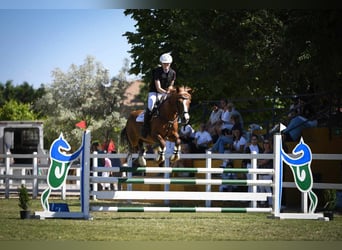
34	42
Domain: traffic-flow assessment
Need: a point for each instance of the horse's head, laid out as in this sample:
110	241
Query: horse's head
183	100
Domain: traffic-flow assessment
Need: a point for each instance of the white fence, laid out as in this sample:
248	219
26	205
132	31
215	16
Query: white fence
34	175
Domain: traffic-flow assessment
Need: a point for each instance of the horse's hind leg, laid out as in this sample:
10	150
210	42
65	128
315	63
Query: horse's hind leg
141	158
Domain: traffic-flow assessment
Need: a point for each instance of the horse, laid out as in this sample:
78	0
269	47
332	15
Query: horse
163	126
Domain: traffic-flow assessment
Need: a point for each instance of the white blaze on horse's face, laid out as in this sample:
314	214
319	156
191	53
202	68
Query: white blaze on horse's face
186	111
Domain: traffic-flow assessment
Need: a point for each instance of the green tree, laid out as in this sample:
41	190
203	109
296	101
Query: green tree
15	111
86	93
280	49
23	93
242	53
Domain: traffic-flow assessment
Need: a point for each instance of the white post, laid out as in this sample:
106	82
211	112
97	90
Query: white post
63	191
277	180
78	174
85	174
129	174
95	165
208	177
8	181
254	176
35	177
23	173
167	176
304	202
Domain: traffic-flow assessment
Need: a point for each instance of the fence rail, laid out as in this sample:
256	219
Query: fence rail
34	175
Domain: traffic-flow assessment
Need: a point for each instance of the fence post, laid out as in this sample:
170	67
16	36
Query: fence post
85	174
166	176
208	176
35	176
8	181
277	179
95	165
254	176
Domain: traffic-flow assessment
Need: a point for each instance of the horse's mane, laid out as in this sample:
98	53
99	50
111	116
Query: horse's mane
183	91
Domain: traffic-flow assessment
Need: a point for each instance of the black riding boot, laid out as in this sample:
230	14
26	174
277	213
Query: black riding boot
146	126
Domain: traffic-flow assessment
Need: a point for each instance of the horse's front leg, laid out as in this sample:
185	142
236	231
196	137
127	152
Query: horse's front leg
176	150
161	150
176	153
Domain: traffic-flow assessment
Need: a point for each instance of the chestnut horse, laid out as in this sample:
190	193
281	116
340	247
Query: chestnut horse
163	126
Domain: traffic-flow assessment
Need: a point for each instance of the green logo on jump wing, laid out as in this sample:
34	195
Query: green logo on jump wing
300	167
59	167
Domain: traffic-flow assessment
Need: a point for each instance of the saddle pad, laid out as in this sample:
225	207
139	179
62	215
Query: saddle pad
140	117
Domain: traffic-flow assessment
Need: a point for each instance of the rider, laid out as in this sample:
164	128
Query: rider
163	78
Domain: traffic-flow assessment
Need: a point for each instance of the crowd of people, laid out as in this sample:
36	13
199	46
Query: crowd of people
224	133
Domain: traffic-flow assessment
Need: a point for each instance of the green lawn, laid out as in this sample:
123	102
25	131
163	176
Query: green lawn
110	226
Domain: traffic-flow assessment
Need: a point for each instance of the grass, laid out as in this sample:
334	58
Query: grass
110	226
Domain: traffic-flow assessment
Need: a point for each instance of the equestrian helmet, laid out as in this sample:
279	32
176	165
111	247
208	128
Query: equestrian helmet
165	58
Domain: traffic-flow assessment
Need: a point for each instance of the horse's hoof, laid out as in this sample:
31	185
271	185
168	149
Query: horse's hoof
160	159
175	157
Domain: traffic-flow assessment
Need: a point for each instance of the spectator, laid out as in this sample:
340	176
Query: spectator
225	140
202	140
107	164
303	118
214	120
253	147
186	134
239	142
226	117
116	162
266	163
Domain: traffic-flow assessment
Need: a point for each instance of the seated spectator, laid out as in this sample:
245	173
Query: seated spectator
225	140
266	163
226	117
202	140
251	128
214	120
239	142
253	146
186	134
303	118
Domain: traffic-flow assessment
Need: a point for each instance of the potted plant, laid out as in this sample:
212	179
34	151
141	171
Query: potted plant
24	202
330	203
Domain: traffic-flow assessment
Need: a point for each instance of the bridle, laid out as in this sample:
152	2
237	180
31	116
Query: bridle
182	108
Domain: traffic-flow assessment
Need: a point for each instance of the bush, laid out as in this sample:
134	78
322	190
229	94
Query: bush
330	199
24	199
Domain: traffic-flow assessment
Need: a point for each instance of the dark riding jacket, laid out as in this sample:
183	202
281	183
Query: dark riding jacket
164	78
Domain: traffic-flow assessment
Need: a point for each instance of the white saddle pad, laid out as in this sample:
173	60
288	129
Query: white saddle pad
140	117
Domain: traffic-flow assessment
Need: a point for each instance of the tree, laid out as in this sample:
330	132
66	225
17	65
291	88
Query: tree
241	53
23	93
15	111
86	93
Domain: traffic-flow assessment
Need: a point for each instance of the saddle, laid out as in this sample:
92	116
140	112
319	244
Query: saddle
154	113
